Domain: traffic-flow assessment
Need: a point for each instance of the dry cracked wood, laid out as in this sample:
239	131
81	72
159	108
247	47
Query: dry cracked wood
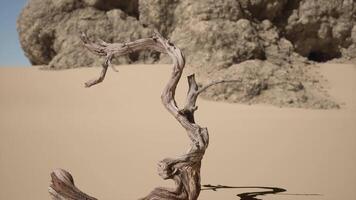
184	170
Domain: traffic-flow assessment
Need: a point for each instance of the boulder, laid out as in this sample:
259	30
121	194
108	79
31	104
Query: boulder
320	29
49	31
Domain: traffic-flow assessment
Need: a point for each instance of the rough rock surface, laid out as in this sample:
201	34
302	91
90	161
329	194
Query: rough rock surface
267	43
319	29
265	82
49	30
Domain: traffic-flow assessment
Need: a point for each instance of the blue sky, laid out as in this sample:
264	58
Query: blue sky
11	53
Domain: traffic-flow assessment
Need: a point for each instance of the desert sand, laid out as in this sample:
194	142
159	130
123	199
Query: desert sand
111	136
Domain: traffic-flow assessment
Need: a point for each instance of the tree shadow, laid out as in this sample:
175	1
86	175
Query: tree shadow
253	195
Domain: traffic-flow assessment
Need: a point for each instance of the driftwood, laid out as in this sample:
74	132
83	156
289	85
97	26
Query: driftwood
184	170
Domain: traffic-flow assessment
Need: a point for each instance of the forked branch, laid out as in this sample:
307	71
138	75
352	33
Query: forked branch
184	170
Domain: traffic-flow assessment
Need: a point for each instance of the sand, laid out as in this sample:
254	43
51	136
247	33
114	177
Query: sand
111	136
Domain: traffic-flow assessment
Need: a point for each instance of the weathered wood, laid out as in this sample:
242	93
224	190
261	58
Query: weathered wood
183	170
62	187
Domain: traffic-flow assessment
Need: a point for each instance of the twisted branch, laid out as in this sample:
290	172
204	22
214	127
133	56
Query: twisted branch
184	170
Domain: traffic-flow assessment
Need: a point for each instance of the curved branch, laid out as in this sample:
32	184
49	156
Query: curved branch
203	88
62	187
117	49
184	170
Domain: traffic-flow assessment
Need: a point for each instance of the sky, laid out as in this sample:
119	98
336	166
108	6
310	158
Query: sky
11	53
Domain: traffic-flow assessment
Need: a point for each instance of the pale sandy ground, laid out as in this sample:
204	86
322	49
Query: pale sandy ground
111	136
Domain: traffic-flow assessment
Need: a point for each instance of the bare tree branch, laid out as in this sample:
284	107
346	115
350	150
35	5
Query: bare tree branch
102	74
203	88
184	170
116	49
62	187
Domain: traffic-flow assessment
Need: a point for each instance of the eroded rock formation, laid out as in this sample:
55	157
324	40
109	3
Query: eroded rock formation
49	30
219	38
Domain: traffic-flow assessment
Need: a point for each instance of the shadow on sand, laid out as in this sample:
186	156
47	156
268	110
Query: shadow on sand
253	195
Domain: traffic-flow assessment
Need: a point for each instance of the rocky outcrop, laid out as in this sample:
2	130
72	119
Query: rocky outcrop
264	9
210	50
49	30
319	29
219	38
264	82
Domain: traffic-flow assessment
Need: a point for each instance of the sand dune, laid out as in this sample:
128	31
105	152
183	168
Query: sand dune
49	120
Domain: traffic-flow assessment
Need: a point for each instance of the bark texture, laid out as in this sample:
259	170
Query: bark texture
183	170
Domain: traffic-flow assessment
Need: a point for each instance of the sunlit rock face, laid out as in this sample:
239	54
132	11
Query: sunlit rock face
49	30
216	36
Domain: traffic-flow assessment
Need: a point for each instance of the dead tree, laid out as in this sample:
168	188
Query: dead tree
184	170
